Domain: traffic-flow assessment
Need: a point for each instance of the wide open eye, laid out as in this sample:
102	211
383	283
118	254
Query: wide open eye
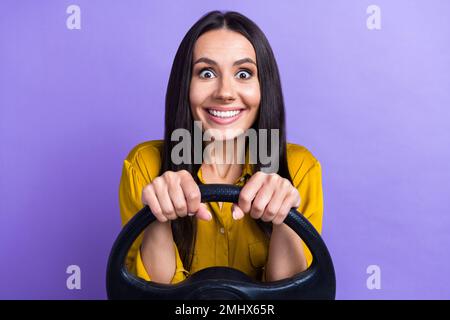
244	74
206	73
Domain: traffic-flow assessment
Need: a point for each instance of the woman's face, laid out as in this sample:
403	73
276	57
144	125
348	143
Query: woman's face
224	92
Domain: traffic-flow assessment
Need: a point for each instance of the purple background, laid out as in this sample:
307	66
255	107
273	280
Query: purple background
372	105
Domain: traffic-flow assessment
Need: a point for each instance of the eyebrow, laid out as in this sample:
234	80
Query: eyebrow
238	62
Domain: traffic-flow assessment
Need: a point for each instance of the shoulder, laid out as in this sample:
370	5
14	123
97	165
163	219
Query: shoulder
147	149
298	155
300	161
145	158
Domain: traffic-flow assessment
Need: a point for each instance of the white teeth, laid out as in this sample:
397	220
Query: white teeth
224	114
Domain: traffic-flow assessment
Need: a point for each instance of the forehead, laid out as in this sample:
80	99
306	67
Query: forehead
222	44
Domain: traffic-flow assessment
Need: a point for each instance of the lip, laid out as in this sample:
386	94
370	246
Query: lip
219	108
224	121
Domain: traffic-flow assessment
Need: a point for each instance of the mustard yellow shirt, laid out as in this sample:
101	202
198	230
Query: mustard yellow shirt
222	241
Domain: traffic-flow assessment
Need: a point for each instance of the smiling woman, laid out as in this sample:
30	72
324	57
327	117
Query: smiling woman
225	77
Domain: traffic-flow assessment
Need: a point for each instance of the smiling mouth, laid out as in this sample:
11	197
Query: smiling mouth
224	114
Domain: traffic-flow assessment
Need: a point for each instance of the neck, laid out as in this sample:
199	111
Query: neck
220	156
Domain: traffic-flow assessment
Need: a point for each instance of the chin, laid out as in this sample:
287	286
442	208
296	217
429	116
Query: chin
221	133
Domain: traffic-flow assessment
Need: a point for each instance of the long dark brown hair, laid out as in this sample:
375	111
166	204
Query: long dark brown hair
178	114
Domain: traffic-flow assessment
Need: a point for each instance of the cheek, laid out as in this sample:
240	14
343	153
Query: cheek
196	97
252	97
199	92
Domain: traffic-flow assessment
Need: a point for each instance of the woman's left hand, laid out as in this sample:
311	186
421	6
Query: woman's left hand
267	196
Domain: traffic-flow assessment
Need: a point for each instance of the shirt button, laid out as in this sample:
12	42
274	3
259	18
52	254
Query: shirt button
222	230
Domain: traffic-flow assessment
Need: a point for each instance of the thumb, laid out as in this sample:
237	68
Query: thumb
203	213
237	212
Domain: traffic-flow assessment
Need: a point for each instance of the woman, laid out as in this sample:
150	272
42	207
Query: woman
225	78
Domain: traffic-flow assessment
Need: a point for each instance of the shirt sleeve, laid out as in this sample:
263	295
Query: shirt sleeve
131	185
311	200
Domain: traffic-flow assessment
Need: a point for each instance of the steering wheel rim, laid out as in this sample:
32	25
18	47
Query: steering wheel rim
317	282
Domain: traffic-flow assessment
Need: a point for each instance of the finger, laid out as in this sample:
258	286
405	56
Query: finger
288	203
193	197
191	192
237	212
149	198
261	201
293	192
163	198
249	191
274	206
176	195
203	212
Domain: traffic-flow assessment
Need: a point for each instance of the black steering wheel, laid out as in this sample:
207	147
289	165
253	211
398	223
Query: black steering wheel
317	282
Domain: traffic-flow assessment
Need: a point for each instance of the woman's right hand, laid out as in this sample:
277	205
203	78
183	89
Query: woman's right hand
173	195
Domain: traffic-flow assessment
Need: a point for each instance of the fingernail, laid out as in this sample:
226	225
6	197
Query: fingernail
236	213
190	214
210	215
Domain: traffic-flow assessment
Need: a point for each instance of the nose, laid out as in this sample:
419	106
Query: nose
225	90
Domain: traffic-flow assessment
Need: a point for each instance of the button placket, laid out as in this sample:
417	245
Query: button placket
222	246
